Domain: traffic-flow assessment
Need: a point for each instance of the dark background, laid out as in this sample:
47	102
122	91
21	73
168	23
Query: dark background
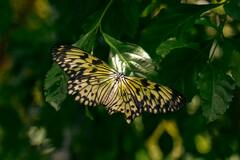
195	49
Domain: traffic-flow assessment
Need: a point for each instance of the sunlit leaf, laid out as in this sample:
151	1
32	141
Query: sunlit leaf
216	91
129	58
55	86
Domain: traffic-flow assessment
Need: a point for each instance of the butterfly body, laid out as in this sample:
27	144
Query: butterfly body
93	83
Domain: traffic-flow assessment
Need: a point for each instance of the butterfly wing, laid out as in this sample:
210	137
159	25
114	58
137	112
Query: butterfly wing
93	82
125	103
138	94
90	78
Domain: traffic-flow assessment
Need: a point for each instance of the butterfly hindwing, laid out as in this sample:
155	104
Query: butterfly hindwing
138	94
93	83
125	103
155	98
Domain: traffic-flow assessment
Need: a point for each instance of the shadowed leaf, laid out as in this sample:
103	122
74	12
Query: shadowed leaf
55	86
216	91
167	46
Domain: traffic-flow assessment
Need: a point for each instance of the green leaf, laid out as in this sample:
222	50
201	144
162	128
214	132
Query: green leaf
55	86
87	41
216	91
122	18
55	82
6	12
206	21
232	9
128	58
235	67
167	46
236	75
175	21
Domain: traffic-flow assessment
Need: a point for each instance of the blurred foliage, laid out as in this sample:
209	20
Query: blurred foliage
192	45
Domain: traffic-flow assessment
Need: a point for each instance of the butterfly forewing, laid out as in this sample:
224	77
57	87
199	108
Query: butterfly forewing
89	76
93	83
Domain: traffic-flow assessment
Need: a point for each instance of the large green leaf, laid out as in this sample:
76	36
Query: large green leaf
55	86
216	91
128	58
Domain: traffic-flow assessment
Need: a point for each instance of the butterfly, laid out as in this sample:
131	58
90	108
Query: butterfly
92	82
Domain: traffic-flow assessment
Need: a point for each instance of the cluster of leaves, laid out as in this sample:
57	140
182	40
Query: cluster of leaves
193	48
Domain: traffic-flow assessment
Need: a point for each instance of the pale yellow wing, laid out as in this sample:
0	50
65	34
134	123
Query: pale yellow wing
138	94
90	78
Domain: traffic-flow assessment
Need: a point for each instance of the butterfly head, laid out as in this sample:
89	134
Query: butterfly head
119	76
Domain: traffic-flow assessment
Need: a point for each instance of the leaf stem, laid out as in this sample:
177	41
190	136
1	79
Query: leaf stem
213	51
219	35
102	15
